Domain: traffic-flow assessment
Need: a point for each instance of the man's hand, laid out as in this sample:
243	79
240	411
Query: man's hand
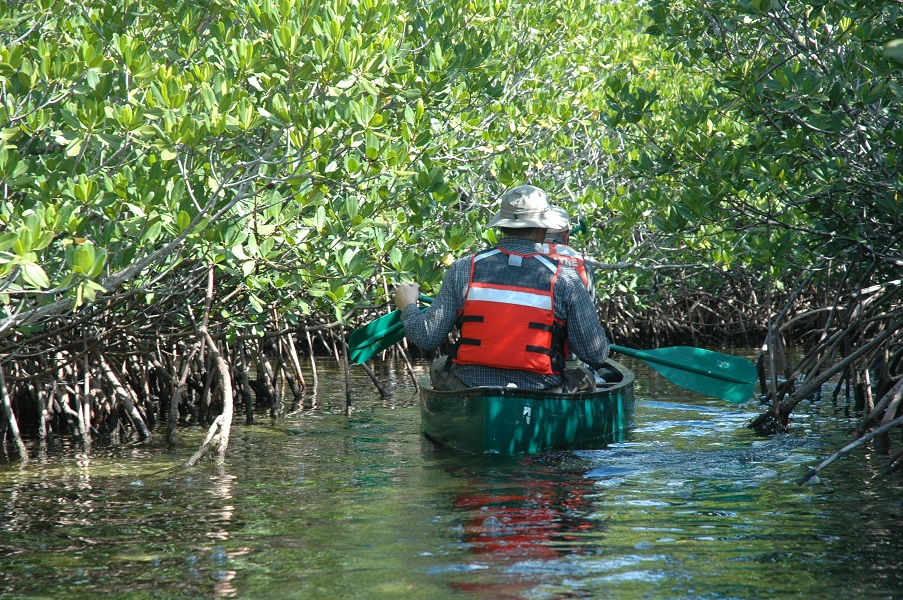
405	294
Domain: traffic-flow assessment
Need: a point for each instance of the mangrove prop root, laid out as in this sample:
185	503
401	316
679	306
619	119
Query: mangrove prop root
768	424
13	426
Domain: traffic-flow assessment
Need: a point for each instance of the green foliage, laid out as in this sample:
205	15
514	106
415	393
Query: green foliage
316	151
794	146
270	138
311	151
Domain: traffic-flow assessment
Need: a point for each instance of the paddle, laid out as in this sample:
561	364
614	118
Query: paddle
376	336
723	376
730	378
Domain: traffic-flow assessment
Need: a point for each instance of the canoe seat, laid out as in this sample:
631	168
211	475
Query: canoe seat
609	374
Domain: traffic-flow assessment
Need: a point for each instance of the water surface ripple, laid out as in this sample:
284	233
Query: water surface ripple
692	505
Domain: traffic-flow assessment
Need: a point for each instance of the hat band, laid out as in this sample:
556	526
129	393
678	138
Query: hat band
531	213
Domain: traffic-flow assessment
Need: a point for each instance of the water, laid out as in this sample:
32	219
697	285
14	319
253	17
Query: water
318	505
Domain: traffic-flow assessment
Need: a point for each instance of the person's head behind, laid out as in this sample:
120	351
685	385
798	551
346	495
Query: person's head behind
560	236
525	212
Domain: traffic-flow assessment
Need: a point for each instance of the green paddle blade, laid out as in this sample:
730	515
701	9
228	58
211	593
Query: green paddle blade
730	378
365	349
376	336
367	334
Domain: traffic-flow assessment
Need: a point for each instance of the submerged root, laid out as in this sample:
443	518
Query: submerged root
768	424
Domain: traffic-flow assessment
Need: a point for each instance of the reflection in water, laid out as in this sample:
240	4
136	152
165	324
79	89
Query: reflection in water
221	490
114	520
535	514
521	513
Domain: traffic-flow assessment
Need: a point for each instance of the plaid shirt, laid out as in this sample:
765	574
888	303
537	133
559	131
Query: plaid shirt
573	306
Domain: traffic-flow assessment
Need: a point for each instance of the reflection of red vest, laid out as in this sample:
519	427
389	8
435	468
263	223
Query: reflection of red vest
568	257
509	326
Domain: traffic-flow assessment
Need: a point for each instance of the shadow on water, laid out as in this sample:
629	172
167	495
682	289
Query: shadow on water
319	505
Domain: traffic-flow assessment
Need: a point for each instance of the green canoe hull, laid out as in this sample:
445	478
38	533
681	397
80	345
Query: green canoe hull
512	421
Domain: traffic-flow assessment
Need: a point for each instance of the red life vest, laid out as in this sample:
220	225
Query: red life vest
569	257
510	326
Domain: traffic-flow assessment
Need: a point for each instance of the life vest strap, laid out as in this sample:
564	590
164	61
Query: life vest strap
539	350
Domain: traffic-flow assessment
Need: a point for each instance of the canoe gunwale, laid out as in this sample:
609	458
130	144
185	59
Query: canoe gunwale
627	380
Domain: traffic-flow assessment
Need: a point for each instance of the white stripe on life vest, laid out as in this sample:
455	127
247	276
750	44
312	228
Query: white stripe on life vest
546	262
510	297
486	254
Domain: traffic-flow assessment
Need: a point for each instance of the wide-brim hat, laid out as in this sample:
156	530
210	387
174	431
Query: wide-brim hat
527	206
565	217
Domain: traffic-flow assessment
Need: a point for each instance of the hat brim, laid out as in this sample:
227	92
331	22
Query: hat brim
551	219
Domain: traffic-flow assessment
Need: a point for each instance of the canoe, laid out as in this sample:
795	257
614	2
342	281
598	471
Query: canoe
513	421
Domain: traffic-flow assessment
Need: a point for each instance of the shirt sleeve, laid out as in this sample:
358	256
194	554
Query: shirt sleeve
586	335
427	329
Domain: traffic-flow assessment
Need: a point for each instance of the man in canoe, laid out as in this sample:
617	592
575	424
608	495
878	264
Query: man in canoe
515	308
557	246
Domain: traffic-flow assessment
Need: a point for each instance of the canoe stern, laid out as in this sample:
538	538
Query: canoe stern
510	421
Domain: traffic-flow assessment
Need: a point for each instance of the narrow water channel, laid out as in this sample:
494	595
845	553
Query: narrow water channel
692	505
